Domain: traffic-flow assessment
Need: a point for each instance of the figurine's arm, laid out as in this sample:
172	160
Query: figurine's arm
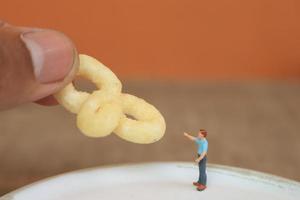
201	156
189	136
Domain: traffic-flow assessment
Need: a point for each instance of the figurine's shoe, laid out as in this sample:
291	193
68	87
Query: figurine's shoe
201	187
196	184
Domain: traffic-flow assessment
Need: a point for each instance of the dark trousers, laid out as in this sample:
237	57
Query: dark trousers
202	171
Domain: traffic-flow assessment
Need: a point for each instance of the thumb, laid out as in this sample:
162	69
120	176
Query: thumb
34	63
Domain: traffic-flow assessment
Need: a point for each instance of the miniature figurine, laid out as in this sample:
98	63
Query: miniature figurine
201	160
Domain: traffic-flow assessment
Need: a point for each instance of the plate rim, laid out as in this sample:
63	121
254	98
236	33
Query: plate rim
261	176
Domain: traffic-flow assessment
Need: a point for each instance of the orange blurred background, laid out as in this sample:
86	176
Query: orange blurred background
173	40
176	39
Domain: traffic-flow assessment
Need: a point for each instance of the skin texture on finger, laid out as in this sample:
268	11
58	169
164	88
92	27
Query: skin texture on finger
15	62
18	83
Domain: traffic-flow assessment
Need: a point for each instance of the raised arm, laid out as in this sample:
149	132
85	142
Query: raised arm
189	136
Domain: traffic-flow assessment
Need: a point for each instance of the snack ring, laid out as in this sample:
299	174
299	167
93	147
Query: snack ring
105	110
148	125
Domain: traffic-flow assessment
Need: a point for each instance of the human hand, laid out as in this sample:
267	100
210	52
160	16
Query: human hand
185	134
34	64
197	160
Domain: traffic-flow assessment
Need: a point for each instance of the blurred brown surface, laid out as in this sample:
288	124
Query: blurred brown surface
252	125
215	39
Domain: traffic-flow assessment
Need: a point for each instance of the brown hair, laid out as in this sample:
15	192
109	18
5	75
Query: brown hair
204	132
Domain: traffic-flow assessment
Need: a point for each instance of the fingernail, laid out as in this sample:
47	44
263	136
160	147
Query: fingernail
52	54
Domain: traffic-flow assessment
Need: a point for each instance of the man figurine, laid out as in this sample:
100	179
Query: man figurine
201	160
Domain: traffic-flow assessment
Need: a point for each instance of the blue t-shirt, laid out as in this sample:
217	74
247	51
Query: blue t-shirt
202	145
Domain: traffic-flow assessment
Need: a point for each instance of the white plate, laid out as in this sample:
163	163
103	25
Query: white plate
158	181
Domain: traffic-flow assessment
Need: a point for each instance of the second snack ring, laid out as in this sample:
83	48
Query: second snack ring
149	125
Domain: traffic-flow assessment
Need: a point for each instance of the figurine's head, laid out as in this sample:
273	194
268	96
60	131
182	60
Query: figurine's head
202	133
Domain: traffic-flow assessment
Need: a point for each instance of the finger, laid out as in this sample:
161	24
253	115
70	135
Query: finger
34	63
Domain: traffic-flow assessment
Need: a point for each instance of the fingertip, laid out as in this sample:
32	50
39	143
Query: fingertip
36	63
53	55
